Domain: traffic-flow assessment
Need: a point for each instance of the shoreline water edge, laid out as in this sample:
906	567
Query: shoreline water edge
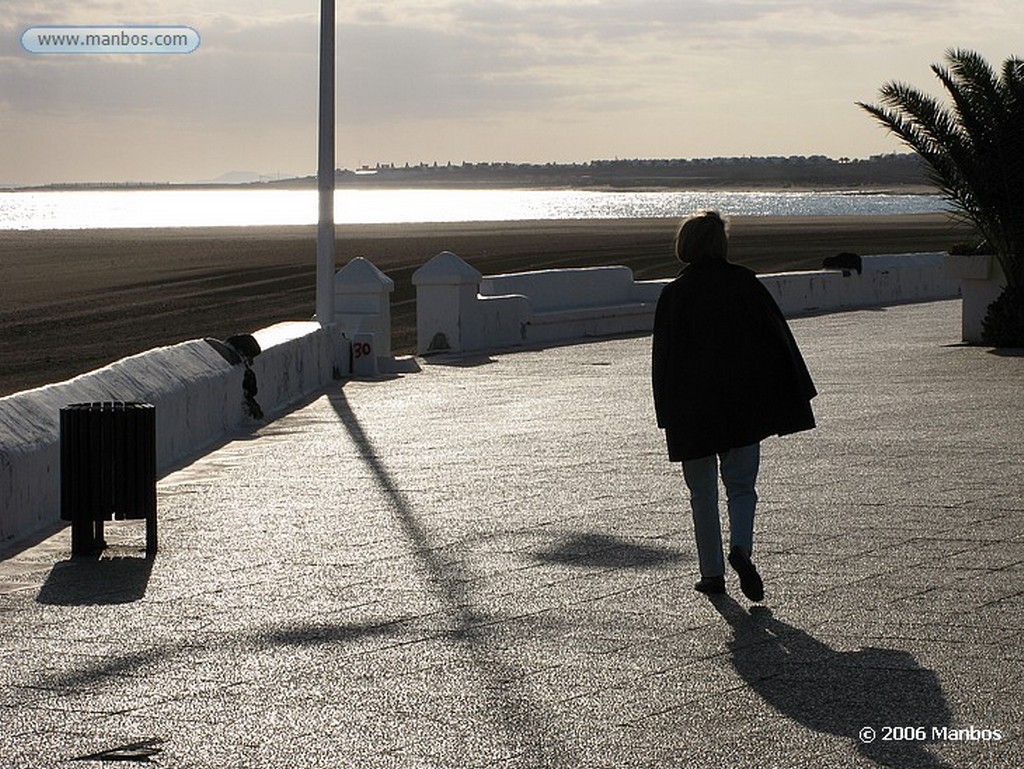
184	207
75	300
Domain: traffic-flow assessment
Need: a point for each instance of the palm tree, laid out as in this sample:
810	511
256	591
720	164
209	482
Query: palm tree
973	150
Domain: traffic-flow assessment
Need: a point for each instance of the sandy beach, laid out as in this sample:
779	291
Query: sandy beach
74	300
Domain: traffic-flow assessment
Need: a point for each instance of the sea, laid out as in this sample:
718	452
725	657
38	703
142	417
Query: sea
191	207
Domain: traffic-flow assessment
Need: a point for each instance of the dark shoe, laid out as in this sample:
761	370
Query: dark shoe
750	580
711	585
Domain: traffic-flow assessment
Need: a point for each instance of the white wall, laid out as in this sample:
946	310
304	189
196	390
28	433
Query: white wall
982	281
472	312
198	394
198	399
886	279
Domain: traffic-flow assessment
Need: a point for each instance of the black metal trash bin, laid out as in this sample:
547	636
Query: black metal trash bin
107	469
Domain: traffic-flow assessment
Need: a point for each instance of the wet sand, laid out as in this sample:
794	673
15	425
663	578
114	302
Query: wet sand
72	301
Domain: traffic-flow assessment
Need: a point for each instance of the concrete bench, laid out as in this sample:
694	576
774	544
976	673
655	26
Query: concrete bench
576	302
460	310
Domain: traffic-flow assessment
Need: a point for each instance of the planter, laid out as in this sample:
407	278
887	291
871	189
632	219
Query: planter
981	282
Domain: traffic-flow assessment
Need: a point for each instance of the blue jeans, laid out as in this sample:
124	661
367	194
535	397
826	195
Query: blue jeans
739	474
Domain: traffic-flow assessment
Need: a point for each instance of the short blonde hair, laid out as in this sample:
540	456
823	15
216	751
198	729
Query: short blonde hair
701	237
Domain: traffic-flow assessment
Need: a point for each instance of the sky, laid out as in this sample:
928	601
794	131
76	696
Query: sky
470	81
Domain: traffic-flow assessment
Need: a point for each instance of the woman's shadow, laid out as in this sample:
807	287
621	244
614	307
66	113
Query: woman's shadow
840	693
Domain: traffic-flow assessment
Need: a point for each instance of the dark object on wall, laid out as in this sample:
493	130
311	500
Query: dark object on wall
249	390
844	261
242	348
245	345
236	349
107	470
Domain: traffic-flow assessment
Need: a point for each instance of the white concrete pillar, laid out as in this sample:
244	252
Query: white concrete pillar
981	282
364	357
362	303
446	296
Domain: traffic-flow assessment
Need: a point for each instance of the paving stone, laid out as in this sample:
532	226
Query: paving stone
492	565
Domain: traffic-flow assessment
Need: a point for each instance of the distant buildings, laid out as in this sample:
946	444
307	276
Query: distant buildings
774	172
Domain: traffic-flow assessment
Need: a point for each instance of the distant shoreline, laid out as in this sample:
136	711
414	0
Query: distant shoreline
895	188
902	172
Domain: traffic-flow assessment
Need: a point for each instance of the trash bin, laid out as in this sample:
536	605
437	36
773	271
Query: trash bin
107	469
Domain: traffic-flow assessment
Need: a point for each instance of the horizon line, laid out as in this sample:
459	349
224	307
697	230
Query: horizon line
366	170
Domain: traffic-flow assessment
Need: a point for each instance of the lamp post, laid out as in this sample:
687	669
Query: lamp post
325	170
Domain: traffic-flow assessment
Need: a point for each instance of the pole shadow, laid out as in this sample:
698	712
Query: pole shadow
839	693
524	732
95	673
444	573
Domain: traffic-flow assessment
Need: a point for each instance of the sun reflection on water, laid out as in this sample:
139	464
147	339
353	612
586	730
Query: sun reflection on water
86	209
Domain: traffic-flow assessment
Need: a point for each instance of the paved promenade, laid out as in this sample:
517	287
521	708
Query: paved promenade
490	564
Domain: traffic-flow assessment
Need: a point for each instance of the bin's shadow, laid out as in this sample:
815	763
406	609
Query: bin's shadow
96	581
836	692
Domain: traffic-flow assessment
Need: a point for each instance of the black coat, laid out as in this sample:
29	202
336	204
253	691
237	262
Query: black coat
726	370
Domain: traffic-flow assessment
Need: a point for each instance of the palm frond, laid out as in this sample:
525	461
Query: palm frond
931	130
931	116
972	147
976	80
1013	76
974	114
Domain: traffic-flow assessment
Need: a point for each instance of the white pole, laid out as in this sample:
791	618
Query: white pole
325	170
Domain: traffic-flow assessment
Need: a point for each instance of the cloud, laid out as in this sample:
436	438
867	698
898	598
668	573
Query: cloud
439	59
482	57
246	98
387	71
244	69
491	79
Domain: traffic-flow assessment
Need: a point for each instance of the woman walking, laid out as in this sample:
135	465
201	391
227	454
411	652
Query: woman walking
726	373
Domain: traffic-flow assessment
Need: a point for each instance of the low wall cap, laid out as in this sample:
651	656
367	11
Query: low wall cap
360	273
446	269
